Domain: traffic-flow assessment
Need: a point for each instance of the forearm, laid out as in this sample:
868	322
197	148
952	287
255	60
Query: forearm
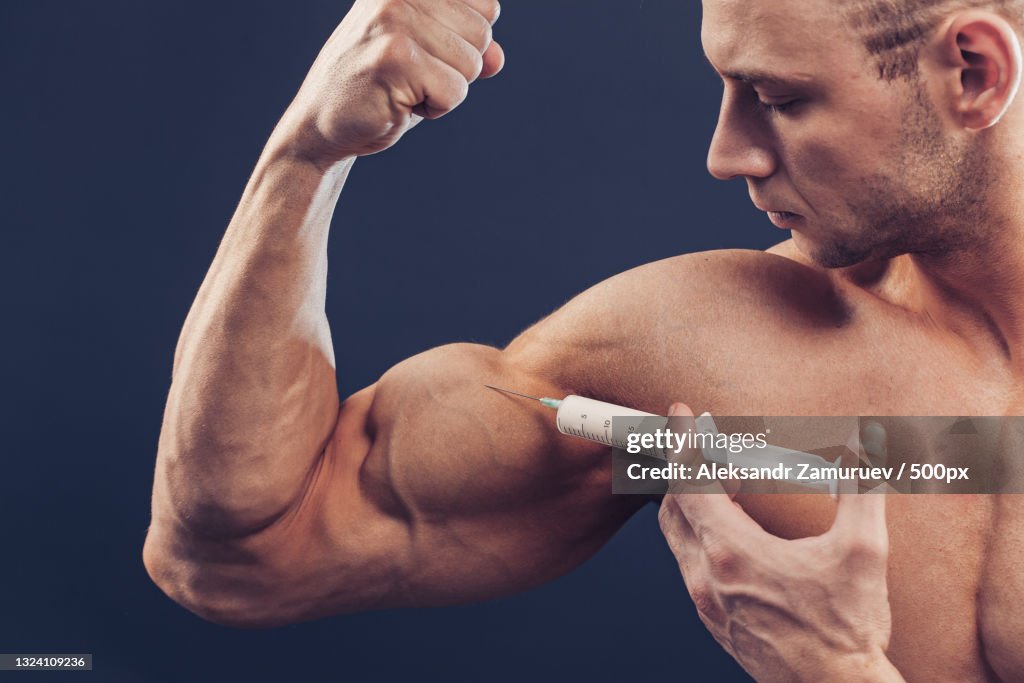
253	395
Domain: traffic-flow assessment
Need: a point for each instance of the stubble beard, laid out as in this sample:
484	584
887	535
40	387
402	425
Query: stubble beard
931	199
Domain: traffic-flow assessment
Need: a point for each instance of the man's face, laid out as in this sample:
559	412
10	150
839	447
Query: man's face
858	168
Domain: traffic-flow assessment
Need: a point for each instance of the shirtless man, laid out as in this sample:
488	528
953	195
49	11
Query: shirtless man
886	139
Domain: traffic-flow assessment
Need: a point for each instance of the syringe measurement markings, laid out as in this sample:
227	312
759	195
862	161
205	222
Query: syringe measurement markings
594	437
606	439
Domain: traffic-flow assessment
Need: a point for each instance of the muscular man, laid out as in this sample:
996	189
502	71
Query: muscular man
885	135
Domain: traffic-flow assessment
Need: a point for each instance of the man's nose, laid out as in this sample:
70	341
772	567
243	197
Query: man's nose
741	145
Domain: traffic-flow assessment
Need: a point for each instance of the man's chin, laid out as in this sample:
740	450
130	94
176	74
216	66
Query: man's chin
829	254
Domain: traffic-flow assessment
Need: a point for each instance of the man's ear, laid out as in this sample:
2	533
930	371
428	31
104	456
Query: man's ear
982	54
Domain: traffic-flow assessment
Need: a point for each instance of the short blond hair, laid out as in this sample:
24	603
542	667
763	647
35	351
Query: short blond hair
892	31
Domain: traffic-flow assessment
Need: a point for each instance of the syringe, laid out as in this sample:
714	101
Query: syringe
610	424
591	419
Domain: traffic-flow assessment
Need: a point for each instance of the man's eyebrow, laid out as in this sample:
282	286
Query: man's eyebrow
766	78
755	77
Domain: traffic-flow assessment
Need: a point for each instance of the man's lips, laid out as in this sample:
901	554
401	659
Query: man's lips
779	217
783	219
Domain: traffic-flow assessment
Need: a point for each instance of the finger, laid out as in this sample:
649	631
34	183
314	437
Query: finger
464	20
680	537
457	34
488	9
711	509
452	49
494	60
693	563
874	441
717	629
438	90
681	421
859	535
716	516
861	514
710	609
858	514
694	567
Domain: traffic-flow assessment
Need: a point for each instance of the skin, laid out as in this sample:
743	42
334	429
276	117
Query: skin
274	501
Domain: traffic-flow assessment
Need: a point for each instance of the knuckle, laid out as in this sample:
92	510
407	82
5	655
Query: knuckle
459	92
451	96
492	10
481	35
665	516
868	550
474	66
388	16
723	561
392	9
474	24
702	595
395	49
464	59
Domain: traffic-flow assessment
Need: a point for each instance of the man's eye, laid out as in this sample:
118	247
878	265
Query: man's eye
775	107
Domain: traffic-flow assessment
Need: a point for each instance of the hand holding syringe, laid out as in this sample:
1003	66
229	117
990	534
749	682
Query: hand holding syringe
609	424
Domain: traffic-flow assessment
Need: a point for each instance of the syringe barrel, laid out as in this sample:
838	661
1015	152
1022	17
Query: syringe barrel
591	419
609	424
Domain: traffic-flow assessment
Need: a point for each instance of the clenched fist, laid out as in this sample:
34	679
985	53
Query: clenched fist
388	63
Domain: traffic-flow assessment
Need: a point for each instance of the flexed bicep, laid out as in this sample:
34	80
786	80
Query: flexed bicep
485	496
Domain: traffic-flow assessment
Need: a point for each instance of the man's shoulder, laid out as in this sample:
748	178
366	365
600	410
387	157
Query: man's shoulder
777	286
727	267
724	290
689	318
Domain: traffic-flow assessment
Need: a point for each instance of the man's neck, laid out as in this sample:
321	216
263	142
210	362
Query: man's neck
976	293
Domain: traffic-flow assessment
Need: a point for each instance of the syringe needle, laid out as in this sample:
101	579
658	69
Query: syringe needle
509	391
547	402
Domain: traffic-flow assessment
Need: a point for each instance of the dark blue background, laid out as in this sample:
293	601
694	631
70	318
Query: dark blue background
129	130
